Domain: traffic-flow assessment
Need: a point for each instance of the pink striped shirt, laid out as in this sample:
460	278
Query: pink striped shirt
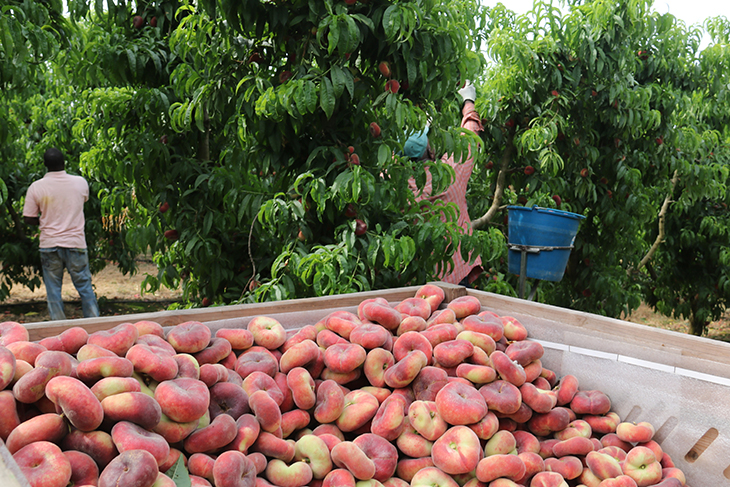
456	193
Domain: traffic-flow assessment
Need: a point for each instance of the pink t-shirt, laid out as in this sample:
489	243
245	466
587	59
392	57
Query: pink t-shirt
59	198
456	193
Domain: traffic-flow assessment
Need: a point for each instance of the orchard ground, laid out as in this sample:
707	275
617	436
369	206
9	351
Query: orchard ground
119	294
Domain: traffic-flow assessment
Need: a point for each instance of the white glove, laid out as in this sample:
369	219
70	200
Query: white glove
468	92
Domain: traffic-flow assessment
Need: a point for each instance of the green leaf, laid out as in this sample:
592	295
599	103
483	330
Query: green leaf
327	97
338	80
179	473
333	37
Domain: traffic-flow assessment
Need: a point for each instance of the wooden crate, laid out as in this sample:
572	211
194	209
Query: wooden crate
679	383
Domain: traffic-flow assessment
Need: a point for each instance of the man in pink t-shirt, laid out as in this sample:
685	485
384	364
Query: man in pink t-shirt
417	147
56	203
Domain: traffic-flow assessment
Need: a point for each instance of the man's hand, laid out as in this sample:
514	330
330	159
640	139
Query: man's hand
468	92
32	220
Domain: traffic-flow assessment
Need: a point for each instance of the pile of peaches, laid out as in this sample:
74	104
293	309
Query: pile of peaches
415	393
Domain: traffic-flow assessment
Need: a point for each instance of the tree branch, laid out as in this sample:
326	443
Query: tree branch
662	219
19	226
499	188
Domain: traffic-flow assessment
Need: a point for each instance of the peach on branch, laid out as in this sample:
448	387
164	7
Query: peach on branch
457	451
43	464
129	436
118	339
44	427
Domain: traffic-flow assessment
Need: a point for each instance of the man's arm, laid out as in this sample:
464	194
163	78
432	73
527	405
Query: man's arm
32	220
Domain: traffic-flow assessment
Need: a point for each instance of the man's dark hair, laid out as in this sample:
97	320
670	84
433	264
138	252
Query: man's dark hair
53	159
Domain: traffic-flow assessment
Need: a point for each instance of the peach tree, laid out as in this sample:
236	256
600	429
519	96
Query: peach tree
254	147
610	111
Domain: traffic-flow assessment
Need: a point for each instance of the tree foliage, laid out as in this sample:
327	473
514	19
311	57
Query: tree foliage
254	147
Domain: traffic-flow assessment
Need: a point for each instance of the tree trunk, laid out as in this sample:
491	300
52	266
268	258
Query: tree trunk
499	188
696	326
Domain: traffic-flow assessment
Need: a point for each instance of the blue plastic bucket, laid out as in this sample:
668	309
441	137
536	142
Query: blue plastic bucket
548	236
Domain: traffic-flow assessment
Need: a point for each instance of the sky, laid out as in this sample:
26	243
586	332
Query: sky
691	11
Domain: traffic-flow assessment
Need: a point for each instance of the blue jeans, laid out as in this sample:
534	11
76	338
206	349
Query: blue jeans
54	260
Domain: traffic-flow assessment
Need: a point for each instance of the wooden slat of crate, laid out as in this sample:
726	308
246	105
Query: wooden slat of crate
10	474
